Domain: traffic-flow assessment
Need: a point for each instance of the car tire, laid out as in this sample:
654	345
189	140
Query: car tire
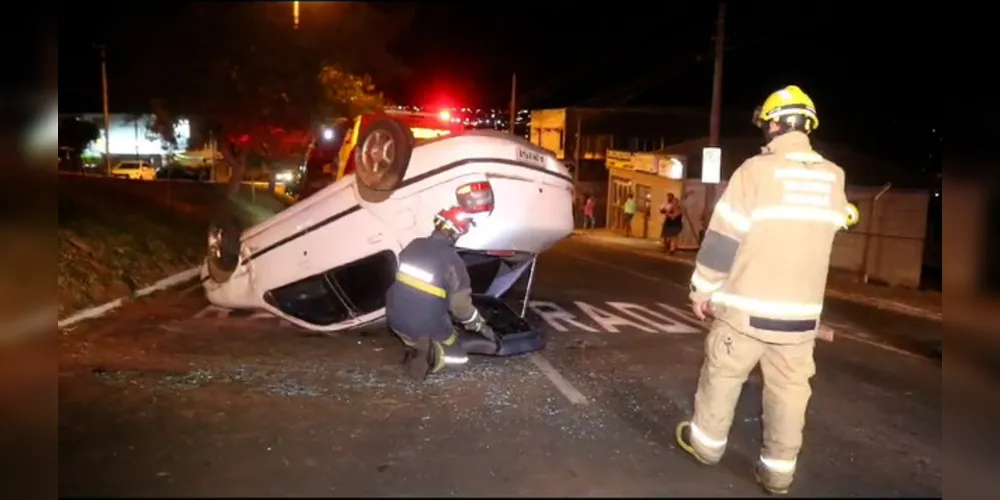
223	253
381	157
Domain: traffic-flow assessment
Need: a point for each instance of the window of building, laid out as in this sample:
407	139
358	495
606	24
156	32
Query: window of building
595	146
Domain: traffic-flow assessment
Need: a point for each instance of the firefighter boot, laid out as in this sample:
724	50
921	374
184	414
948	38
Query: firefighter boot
429	356
419	359
688	440
774	481
450	354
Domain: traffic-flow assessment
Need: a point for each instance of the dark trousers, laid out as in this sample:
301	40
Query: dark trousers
443	334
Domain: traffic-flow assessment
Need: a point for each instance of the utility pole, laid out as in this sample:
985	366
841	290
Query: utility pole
577	149
720	37
715	119
513	101
211	152
107	114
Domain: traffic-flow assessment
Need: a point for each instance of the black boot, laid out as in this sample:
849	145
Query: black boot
420	359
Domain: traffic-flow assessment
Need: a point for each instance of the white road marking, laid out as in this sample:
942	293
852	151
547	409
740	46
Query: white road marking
215	311
552	314
684	315
663	323
873	343
562	385
609	322
626	270
647	277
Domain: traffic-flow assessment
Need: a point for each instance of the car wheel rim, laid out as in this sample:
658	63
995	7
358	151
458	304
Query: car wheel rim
377	153
215	236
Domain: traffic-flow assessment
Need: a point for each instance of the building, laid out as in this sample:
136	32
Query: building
581	137
888	245
131	137
648	176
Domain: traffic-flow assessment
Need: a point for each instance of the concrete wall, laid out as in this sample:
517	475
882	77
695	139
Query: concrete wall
202	200
965	247
894	227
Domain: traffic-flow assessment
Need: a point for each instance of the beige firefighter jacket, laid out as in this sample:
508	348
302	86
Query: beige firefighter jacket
764	259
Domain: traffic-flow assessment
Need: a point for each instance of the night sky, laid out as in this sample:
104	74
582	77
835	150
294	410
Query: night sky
866	70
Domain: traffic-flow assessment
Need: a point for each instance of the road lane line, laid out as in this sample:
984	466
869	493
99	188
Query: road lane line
562	385
205	312
626	270
889	305
873	343
839	333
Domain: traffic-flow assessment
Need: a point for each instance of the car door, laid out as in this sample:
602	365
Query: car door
358	257
351	251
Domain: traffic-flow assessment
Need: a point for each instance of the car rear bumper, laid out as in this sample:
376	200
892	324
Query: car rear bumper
529	215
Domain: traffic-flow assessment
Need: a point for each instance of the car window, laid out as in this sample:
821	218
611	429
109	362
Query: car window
312	300
365	281
483	270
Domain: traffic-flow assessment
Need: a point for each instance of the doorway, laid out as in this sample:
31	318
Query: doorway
644	207
620	190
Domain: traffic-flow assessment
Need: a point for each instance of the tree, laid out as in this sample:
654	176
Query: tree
257	78
345	95
77	134
162	123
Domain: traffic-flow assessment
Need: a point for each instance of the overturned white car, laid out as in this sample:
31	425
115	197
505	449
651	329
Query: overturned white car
326	262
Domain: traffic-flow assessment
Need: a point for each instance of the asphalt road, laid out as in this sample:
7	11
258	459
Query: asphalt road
155	401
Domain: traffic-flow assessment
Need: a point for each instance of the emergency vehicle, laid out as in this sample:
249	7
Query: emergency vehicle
329	156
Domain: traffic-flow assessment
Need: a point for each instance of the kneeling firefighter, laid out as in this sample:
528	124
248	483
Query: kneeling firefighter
432	286
761	272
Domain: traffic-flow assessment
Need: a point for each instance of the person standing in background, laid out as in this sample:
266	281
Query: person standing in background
673	222
588	213
628	210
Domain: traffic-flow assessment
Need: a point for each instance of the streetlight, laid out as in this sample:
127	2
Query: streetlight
295	14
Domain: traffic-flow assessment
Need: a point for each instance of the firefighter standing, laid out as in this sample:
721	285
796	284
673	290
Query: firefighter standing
432	285
761	272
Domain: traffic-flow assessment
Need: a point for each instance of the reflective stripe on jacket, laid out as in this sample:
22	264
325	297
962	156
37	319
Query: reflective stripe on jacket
431	282
766	253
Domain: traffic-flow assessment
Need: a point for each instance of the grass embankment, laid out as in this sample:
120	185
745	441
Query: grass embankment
117	236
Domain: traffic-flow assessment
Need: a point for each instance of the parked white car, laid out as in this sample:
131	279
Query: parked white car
326	262
135	170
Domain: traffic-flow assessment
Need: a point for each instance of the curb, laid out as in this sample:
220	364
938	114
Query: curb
889	305
96	311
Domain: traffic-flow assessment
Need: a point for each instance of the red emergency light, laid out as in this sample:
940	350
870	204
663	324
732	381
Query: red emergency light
475	198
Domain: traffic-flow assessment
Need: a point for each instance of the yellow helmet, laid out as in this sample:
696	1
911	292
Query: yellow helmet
853	214
789	107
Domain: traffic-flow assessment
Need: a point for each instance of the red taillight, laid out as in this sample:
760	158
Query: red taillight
475	198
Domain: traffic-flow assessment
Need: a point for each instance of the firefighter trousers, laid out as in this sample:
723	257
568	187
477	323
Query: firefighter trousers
729	358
